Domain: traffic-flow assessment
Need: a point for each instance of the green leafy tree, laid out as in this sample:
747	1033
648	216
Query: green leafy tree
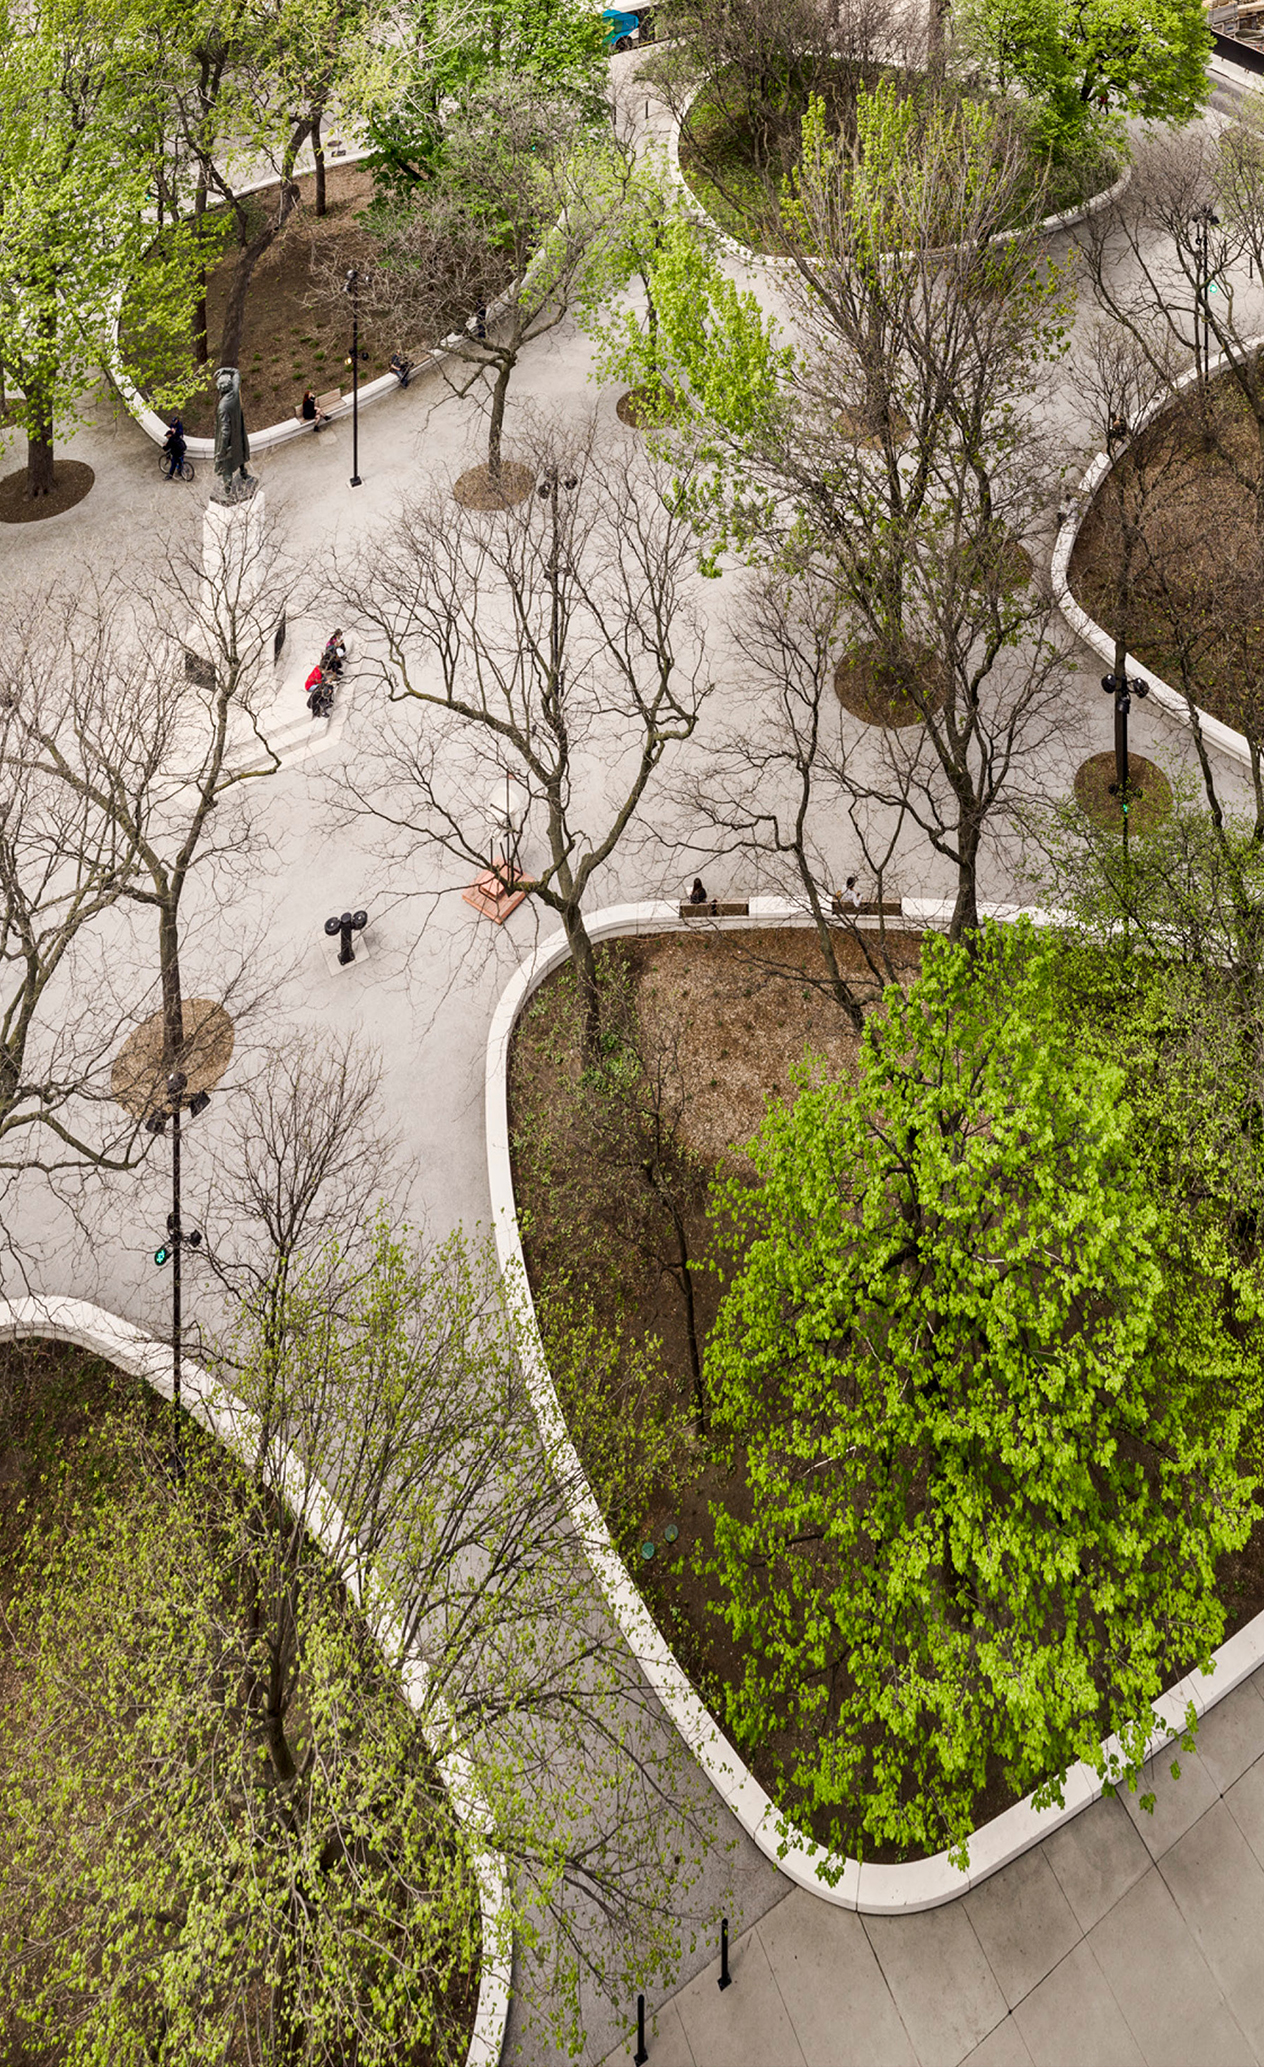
453	48
1088	65
77	136
990	1411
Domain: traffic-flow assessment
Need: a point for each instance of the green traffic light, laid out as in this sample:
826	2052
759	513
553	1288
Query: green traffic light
161	1255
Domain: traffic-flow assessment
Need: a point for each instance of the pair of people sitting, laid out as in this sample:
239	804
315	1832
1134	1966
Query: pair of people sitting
402	368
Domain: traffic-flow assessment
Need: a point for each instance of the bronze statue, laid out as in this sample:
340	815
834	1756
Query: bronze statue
232	446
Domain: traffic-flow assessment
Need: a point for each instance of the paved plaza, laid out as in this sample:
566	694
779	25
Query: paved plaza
1122	1939
1127	1939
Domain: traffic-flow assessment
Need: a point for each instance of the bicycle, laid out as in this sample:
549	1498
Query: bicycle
170	472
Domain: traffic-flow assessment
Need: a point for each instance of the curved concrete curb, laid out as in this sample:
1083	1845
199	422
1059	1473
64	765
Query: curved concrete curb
275	434
744	254
92	1328
876	1890
1170	700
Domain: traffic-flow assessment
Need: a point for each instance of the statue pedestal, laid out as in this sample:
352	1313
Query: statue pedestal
232	605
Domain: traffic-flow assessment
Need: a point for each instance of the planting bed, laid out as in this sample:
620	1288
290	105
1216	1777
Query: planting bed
736	1013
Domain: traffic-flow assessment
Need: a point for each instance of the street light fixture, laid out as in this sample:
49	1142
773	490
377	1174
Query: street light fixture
1123	688
353	289
178	1238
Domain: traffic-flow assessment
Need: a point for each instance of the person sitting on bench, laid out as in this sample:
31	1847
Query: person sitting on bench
310	410
402	369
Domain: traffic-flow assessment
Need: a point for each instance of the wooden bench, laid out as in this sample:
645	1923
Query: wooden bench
866	909
325	404
712	909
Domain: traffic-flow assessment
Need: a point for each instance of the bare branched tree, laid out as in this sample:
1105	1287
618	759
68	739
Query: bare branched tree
552	644
780	786
160	747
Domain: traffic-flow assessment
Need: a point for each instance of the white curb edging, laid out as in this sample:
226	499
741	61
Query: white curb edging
118	1342
1169	700
875	1890
745	254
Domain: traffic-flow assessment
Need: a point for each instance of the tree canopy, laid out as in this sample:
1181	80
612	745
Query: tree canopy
989	1401
1086	65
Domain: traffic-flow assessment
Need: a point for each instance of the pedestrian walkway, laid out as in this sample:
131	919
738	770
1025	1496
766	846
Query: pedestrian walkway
1125	1940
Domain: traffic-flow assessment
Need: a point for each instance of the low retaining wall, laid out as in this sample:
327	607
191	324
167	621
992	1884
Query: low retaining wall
876	1890
1170	700
92	1328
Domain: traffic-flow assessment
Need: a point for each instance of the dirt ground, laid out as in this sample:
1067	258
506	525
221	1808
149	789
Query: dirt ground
1171	553
298	326
746	1008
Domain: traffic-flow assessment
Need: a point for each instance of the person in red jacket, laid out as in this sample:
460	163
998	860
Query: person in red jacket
320	692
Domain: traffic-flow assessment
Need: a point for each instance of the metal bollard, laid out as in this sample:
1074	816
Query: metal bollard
726	1978
640	2056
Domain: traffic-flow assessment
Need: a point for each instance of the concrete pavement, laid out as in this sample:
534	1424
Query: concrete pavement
1105	1943
1125	1940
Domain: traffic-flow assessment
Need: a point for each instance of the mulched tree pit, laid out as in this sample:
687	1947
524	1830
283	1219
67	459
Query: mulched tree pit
72	480
745	1030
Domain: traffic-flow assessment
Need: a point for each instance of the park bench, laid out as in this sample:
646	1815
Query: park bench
326	404
866	909
713	909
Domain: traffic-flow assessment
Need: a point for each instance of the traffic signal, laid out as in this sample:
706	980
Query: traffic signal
161	1255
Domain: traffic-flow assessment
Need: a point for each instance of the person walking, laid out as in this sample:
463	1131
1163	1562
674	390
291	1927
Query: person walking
174	448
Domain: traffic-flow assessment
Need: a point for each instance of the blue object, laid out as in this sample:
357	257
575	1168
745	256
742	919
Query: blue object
618	25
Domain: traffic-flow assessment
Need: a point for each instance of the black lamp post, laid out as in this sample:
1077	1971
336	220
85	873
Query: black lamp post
177	1237
1123	689
345	925
1207	220
353	289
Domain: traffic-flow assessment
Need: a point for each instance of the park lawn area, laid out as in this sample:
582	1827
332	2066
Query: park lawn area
81	1439
721	165
298	321
1192	571
743	1030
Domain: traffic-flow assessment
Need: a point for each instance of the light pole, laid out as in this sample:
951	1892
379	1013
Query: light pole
1123	690
353	289
177	1238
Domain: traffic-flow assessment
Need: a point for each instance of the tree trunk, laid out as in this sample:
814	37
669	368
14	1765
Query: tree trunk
248	258
965	915
172	1009
585	962
497	422
39	458
318	149
201	346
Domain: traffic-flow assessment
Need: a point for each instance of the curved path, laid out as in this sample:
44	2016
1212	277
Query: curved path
1113	1942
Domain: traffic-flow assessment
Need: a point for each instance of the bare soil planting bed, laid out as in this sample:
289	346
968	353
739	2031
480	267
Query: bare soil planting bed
298	322
742	1031
1171	554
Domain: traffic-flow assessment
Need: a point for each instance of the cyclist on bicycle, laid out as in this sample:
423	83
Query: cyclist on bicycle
173	446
